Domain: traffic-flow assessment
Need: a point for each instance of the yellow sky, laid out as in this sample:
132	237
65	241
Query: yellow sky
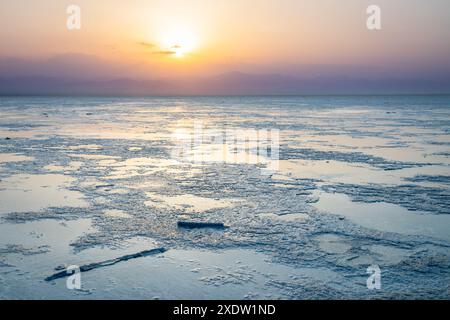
209	35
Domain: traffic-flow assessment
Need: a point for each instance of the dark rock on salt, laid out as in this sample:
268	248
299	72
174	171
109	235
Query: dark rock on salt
106	263
200	225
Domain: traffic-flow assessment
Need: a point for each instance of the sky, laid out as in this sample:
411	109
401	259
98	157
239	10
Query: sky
179	39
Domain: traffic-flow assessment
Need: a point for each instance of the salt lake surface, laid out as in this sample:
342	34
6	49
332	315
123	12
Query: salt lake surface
360	181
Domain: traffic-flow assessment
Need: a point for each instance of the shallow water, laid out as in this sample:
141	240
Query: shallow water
360	181
386	217
32	193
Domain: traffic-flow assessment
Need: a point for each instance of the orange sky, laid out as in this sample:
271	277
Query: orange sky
223	35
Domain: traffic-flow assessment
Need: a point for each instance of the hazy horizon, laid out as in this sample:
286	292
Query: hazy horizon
238	47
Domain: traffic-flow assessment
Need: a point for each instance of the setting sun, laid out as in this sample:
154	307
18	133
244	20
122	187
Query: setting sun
178	42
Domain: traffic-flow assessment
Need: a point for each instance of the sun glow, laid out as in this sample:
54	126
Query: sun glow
179	42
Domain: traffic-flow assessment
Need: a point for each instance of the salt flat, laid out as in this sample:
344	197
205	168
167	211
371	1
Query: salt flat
360	181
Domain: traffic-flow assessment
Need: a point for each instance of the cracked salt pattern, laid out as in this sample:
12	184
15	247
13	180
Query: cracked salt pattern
362	180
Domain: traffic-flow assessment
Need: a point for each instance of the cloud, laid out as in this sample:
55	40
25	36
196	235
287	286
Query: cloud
171	51
70	65
165	52
146	45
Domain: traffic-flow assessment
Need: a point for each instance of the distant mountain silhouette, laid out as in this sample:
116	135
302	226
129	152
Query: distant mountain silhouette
226	84
78	74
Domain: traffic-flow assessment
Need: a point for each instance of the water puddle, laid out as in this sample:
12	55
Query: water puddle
406	154
25	134
385	216
85	146
108	131
72	166
333	244
335	171
32	193
337	142
58	235
12	157
389	255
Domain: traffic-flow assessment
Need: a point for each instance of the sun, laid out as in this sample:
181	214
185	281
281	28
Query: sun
179	42
178	50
